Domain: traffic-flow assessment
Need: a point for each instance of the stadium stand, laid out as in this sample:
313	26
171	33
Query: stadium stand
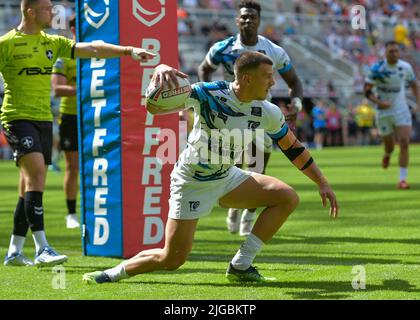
330	57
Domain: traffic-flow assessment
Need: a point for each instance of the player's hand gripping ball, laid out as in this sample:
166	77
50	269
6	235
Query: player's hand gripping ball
167	98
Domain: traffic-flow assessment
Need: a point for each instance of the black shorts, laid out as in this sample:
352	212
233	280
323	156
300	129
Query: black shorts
27	136
320	130
364	130
68	132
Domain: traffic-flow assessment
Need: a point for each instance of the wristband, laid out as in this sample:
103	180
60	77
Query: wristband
297	103
128	51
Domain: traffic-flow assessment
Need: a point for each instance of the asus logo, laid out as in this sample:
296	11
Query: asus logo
34	71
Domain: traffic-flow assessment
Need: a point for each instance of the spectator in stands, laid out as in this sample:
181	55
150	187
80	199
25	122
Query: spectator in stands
401	35
333	124
365	117
349	131
304	127
319	123
5	151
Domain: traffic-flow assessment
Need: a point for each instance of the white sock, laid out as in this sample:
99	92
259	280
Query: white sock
247	252
403	173
248	215
232	212
16	244
117	273
40	240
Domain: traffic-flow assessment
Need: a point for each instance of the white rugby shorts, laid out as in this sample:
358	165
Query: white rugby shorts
387	123
195	199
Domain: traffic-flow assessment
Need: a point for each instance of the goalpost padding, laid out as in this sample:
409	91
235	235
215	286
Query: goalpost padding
124	185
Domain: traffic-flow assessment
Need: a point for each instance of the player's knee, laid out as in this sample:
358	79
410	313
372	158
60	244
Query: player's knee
35	181
292	200
287	200
174	263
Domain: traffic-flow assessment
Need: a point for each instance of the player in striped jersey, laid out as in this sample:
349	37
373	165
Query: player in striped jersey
198	182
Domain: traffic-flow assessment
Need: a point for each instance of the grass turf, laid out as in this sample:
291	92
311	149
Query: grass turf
312	256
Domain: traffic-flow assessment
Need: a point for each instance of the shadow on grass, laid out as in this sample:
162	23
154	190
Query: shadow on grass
302	260
360	187
306	289
337	289
71	269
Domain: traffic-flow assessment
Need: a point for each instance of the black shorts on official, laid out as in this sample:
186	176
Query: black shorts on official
68	132
27	136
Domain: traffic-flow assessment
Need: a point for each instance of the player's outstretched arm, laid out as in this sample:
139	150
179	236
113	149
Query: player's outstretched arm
302	159
106	50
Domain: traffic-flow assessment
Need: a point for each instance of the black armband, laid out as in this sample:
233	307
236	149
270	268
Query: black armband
368	93
293	153
307	164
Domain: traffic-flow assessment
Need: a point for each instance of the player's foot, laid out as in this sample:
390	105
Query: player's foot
246	227
385	161
233	220
72	222
49	257
403	185
249	275
96	277
18	259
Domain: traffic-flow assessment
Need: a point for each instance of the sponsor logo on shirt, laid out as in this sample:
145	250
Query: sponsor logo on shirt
34	71
22	56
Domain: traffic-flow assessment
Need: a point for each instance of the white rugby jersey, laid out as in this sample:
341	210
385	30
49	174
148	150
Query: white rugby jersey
226	51
390	82
219	117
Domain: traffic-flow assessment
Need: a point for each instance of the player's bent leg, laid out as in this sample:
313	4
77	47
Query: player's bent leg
179	236
278	198
279	201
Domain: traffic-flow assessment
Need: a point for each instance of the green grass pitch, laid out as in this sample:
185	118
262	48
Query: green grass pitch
312	256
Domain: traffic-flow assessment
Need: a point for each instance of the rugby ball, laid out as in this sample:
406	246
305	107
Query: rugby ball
166	98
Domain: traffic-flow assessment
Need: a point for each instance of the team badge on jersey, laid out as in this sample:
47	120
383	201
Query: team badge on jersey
49	54
194	205
256	111
27	142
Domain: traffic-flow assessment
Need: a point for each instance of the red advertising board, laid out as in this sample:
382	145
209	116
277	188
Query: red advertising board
150	24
